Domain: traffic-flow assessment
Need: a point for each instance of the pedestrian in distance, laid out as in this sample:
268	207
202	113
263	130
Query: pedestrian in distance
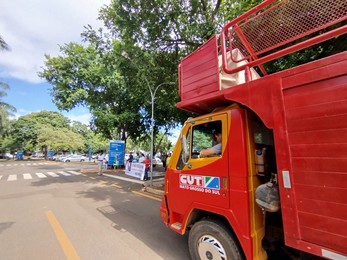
142	158
147	163
168	158
130	160
100	163
163	160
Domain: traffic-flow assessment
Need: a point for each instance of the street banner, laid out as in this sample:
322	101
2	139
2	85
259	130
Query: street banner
136	170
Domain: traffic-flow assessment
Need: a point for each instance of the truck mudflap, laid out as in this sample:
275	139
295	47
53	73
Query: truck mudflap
164	211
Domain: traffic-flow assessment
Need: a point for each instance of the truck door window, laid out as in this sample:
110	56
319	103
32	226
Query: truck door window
207	139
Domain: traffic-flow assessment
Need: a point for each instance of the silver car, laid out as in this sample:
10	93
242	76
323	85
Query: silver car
73	158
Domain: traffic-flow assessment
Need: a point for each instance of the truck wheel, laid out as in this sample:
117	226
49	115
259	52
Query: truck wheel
209	239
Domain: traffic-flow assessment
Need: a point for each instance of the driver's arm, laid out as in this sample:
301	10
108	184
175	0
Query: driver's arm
211	151
207	152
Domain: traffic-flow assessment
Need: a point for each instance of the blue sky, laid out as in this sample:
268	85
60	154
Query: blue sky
34	28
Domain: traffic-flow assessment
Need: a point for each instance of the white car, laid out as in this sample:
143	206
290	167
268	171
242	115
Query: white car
73	158
6	156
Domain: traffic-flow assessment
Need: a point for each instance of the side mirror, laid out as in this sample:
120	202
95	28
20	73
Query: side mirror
184	154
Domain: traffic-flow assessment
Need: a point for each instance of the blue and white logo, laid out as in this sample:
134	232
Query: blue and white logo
212	182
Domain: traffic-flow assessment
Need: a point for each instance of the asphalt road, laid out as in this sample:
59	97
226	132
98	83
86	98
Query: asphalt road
51	211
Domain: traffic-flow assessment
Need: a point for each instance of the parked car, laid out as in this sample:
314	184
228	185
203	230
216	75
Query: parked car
37	154
6	156
73	158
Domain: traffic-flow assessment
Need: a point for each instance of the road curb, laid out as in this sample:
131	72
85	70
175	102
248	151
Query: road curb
154	191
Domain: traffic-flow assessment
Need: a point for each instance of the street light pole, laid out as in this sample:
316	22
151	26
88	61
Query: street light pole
152	124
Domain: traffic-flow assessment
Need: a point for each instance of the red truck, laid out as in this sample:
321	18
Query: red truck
277	185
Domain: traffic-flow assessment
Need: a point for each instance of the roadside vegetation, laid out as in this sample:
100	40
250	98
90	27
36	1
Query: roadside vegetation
116	69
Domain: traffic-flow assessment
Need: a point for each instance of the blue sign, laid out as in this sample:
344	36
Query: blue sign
90	150
116	152
50	154
20	155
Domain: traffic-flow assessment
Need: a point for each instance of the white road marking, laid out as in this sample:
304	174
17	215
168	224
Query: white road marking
52	174
41	175
12	177
27	176
74	172
64	173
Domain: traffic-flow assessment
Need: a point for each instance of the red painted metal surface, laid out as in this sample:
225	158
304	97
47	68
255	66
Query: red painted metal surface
267	32
315	107
233	202
198	73
306	107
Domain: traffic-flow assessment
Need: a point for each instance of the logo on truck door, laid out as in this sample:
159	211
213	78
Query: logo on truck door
207	184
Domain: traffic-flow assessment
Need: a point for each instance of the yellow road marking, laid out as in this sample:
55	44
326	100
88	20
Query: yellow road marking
145	195
103	182
117	186
64	241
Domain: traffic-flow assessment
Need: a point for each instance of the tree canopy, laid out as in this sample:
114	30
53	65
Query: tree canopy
6	109
116	69
51	130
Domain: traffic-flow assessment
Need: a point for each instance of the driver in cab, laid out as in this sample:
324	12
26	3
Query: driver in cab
216	149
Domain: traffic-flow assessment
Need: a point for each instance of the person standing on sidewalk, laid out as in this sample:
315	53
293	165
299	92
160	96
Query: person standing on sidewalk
130	161
147	163
100	162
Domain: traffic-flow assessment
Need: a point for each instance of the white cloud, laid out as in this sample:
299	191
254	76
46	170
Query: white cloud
83	118
36	27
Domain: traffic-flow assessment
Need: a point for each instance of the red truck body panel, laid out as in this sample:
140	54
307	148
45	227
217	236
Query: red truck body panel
305	106
199	74
307	109
315	120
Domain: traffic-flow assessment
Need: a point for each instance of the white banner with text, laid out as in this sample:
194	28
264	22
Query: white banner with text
136	170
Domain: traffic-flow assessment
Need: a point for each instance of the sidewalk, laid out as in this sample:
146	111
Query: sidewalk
156	188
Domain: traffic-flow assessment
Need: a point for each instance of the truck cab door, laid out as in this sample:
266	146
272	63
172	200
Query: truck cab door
203	180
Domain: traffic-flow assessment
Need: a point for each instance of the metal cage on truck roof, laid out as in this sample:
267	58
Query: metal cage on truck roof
276	28
267	32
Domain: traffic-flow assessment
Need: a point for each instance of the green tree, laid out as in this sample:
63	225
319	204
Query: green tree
162	142
62	140
45	130
113	73
6	109
179	26
114	86
91	139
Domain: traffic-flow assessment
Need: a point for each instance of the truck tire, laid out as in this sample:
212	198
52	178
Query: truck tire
209	239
